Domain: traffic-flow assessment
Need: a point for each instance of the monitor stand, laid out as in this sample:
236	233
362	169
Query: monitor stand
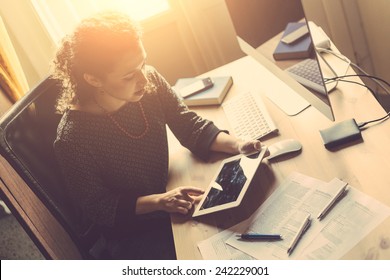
288	101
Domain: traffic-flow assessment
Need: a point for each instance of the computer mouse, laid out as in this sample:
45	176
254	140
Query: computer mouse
283	147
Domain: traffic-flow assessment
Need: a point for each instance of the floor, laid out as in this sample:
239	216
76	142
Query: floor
15	244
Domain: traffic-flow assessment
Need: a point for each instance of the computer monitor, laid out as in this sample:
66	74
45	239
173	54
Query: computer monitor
259	21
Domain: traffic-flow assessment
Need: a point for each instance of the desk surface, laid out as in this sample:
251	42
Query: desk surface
364	165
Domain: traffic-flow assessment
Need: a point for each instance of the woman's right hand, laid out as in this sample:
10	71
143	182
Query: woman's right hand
179	200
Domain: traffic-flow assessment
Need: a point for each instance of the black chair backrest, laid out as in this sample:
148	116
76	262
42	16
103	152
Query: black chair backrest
27	133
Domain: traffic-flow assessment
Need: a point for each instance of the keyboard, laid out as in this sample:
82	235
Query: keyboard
248	117
308	74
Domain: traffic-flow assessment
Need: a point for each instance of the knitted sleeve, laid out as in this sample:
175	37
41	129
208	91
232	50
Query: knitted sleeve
193	131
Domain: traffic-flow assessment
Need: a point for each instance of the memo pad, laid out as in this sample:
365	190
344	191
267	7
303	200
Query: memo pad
228	186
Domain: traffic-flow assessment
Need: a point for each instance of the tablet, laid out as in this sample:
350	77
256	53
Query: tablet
228	186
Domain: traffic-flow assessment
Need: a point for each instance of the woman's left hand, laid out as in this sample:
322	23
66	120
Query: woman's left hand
248	146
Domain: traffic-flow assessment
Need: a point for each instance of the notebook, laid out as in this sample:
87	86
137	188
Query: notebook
299	49
211	96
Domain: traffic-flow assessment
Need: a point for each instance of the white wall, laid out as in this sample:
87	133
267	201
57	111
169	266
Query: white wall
375	17
359	28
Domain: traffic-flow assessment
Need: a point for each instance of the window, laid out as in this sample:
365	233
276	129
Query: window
60	17
139	10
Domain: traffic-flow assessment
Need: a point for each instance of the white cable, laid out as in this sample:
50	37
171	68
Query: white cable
346	59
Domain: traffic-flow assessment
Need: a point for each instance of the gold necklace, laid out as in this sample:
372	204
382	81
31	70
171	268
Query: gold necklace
121	128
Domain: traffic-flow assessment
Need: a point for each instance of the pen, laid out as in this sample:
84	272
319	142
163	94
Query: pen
305	225
257	236
339	195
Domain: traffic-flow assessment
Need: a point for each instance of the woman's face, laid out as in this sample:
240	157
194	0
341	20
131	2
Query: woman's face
126	80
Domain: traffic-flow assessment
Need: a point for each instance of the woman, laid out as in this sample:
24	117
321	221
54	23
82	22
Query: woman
112	143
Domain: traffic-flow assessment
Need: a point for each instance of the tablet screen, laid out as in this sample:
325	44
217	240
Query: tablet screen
229	185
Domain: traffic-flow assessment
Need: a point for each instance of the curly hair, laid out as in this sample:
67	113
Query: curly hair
93	47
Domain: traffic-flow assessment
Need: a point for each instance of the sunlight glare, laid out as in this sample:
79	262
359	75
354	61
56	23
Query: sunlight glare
137	9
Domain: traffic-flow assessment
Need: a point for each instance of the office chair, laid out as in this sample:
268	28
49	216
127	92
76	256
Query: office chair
27	133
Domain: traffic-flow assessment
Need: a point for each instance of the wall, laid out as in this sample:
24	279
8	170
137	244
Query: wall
376	25
359	28
193	38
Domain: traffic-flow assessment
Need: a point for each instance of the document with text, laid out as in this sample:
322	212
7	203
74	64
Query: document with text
216	248
351	218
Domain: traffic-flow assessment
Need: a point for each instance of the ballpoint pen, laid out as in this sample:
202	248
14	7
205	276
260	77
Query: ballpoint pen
339	195
257	236
305	225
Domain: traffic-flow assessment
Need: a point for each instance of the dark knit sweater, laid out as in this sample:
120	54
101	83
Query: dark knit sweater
106	171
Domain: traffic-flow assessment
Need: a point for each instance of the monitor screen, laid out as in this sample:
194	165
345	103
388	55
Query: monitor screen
262	27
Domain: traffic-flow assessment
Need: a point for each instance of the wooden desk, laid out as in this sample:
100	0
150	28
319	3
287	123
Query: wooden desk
365	165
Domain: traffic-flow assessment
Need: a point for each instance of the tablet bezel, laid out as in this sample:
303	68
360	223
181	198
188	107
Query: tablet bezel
199	212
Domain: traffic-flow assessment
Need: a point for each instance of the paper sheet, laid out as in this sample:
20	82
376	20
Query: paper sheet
215	248
282	213
352	219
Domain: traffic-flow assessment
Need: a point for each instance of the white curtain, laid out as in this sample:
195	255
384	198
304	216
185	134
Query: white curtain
12	79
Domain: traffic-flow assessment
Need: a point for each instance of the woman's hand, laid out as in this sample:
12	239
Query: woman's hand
179	200
248	146
229	144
